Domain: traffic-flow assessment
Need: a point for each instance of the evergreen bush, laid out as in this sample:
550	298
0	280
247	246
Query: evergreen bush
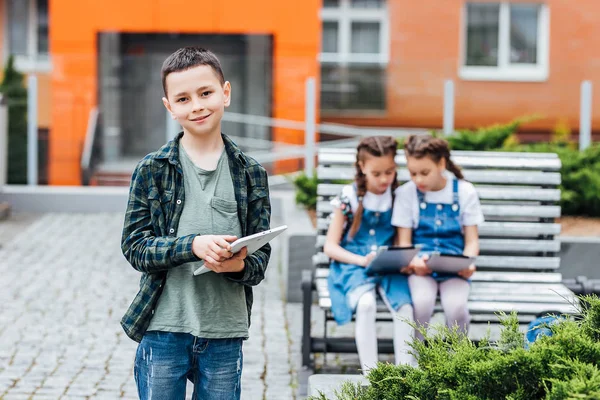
563	366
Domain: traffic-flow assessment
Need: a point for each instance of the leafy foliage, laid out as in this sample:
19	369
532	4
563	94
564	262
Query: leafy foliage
16	95
306	190
563	366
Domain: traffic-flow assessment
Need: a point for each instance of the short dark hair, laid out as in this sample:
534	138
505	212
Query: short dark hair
189	57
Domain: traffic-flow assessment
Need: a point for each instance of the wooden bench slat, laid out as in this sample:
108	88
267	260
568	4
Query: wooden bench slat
480	314
504	245
533	292
505	296
512	262
497	229
519	245
484	307
465	161
492	276
495	262
535	178
325	207
518	229
522	308
328	190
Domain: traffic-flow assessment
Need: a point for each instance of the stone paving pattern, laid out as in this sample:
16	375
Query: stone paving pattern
65	286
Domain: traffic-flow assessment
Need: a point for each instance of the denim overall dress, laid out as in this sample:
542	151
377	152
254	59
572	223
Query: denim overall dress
347	282
439	229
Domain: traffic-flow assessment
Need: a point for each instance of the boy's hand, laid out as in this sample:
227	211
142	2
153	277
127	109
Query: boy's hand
213	248
234	264
467	272
419	267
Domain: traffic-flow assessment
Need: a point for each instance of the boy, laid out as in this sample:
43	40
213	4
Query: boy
187	202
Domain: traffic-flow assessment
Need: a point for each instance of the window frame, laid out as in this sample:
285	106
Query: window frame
33	61
505	71
345	15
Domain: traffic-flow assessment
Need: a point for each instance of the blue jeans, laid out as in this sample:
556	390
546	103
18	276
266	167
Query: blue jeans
165	361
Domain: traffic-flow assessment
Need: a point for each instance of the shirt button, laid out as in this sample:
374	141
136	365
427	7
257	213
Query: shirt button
377	214
439	207
171	230
438	222
372	232
178	201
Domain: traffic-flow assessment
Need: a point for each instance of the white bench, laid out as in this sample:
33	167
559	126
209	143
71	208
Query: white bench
519	248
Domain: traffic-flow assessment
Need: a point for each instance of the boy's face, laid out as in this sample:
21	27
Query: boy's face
197	100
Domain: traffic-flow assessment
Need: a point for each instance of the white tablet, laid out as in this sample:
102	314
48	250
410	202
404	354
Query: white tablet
448	262
252	242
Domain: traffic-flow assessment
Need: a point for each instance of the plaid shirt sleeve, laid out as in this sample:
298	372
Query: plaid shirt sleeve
259	217
146	250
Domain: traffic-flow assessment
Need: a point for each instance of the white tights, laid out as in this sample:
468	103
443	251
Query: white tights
454	294
366	332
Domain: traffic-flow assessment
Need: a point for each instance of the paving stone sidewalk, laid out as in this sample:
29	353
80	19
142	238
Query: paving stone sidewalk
65	286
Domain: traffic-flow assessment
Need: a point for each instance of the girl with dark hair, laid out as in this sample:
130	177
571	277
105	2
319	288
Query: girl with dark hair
361	222
440	211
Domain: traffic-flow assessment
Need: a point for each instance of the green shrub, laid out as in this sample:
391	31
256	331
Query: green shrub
580	175
451	367
486	138
16	95
306	190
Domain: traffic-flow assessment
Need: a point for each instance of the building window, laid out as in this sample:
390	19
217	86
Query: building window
354	55
504	41
27	28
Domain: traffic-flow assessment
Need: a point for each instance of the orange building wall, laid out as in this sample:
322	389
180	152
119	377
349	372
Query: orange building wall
425	51
74	28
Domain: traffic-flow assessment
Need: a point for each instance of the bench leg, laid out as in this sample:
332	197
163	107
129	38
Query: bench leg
307	288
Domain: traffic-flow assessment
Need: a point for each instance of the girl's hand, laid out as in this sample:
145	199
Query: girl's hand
419	266
407	270
368	258
467	272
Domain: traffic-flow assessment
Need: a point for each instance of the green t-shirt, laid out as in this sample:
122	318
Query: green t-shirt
208	305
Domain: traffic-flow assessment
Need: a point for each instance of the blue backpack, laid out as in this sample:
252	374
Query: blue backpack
540	327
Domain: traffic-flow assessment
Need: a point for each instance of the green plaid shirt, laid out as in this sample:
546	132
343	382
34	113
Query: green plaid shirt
149	240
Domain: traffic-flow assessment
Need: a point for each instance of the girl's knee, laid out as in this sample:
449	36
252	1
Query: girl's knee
405	310
423	302
367	303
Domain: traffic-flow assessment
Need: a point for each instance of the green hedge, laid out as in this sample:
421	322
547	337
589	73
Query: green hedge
580	171
558	367
16	95
306	190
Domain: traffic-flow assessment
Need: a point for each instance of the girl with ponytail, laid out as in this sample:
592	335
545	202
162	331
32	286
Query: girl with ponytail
361	222
440	211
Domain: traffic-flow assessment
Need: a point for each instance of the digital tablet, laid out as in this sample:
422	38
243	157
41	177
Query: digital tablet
389	260
252	242
450	263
